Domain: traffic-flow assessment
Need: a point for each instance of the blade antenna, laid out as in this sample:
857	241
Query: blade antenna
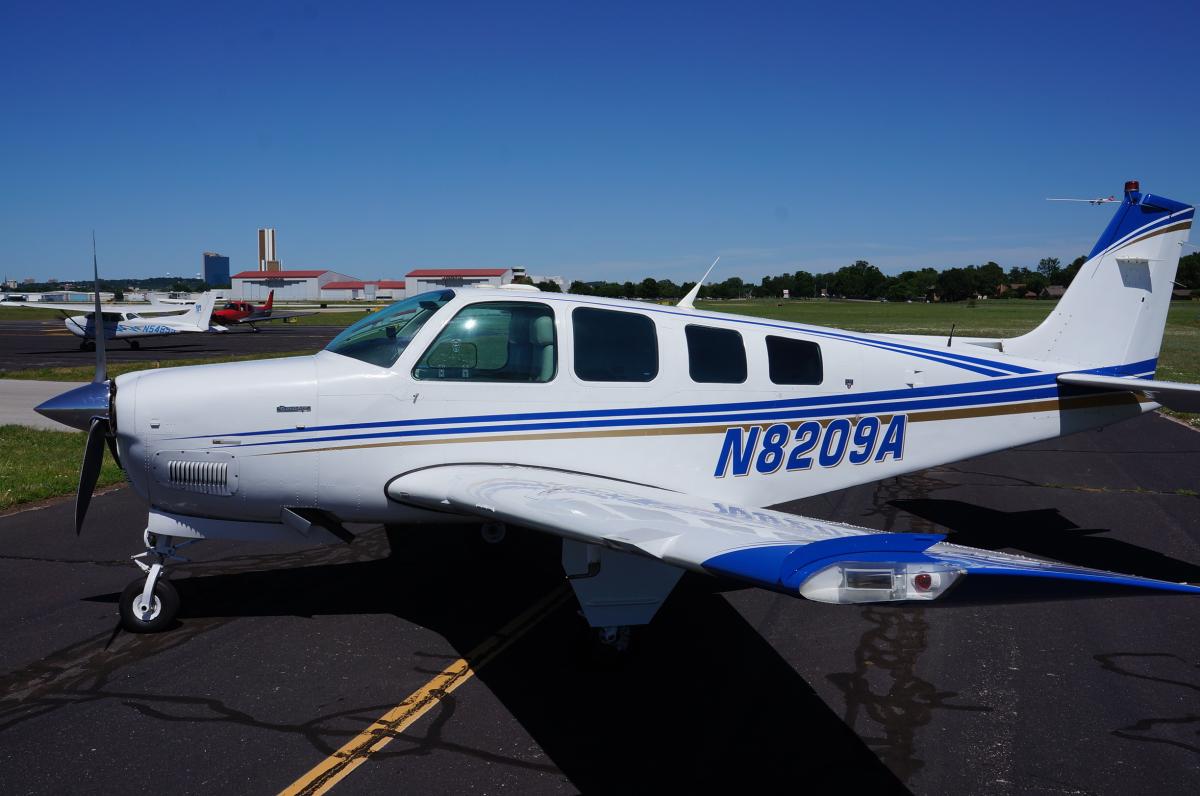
687	302
98	322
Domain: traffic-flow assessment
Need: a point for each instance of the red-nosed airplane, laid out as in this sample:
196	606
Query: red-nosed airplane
237	312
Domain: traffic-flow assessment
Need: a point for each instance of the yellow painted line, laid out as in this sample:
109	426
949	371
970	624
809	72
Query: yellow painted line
387	727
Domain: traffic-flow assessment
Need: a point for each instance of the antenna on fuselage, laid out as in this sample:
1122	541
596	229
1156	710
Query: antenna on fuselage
688	301
950	339
98	322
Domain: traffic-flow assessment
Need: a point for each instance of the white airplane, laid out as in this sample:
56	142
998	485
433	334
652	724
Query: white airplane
1100	200
126	321
650	439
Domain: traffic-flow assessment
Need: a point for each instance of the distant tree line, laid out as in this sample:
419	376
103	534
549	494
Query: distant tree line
865	281
157	283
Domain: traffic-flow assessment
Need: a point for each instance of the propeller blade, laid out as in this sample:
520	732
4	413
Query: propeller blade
98	322
89	471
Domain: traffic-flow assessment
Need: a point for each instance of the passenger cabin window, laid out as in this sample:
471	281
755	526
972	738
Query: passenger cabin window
794	361
715	356
381	337
614	346
512	341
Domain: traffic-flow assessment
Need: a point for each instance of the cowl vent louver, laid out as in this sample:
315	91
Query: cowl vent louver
209	473
199	476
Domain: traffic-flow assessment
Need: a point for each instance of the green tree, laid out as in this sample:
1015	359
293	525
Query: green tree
989	277
805	285
1188	274
580	288
549	287
1049	268
648	289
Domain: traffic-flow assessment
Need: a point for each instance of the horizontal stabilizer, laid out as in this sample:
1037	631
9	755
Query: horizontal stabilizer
1178	395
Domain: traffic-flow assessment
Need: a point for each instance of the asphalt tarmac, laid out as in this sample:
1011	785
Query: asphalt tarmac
45	343
283	656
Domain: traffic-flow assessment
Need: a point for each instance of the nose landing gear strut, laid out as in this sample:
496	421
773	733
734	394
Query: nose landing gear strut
150	604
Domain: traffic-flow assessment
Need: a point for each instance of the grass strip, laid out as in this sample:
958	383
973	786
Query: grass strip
40	464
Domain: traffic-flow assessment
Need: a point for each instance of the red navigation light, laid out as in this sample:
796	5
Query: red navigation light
923	581
1132	185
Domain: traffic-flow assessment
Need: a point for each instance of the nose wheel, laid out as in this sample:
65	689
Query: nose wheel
150	604
142	615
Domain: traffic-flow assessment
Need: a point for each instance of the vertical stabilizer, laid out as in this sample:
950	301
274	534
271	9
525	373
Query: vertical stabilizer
1115	310
201	312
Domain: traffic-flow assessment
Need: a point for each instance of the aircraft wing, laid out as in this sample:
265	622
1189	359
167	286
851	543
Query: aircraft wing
1178	395
274	316
818	559
81	307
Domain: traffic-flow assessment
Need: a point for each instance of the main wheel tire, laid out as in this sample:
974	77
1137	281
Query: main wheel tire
135	345
162	612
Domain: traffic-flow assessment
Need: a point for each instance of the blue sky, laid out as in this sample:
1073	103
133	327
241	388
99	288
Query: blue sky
594	140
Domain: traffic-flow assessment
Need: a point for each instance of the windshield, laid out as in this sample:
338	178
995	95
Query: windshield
381	337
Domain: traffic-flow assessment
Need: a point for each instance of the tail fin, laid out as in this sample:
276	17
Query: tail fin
201	312
1115	310
270	298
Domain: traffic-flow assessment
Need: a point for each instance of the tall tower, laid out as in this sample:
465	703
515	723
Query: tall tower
267	260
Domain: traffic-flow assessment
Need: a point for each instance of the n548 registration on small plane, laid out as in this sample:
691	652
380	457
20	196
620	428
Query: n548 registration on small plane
126	321
649	438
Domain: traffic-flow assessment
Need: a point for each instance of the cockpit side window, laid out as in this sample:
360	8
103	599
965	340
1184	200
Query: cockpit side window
508	341
380	338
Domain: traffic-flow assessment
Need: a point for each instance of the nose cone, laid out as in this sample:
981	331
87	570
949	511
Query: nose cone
77	407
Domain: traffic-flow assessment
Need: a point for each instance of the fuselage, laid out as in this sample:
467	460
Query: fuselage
123	326
744	410
235	311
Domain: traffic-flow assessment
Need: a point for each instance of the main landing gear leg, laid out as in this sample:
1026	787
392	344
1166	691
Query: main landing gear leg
150	604
616	591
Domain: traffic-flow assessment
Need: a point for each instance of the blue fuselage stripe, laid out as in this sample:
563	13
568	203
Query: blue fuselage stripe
832	402
882	407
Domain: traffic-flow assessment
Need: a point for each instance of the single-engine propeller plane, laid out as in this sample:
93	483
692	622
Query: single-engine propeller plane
239	312
650	439
128	322
1099	200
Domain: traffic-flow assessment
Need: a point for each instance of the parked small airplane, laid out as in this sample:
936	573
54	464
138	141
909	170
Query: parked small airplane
126	321
1097	201
649	438
245	312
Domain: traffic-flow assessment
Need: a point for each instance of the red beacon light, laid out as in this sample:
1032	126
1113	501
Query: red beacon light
923	581
1132	186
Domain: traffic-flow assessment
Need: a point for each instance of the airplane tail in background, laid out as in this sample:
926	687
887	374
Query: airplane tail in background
270	299
201	312
1115	310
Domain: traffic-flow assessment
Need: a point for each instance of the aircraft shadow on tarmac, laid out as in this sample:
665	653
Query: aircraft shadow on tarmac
1046	533
702	699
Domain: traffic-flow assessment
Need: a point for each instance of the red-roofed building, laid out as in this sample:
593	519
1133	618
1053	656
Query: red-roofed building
299	285
424	279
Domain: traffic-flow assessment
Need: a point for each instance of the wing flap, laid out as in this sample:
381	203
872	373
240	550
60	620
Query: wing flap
1177	395
818	559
